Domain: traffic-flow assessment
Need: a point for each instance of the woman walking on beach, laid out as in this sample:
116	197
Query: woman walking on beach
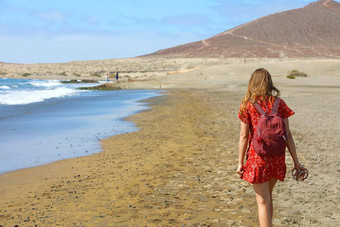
263	171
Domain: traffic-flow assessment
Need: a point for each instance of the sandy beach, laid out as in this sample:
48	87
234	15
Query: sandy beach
179	168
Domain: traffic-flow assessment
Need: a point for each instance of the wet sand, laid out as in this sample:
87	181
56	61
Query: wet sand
179	169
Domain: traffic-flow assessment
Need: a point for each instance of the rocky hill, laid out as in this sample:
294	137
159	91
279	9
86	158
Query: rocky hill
311	31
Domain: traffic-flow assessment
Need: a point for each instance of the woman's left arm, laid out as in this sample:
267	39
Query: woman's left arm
242	147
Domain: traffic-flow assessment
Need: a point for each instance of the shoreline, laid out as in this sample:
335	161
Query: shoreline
60	128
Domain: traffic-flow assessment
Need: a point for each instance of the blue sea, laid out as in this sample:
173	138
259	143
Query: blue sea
42	121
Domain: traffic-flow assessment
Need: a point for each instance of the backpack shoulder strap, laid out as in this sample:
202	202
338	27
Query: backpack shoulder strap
258	108
276	104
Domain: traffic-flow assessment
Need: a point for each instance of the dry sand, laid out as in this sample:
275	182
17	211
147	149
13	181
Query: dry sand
179	168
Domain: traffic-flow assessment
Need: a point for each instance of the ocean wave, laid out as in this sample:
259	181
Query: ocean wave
27	97
5	87
45	83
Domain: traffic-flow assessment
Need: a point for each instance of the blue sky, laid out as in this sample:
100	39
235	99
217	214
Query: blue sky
39	31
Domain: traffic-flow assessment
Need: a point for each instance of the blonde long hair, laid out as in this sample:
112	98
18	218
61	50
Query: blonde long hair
260	87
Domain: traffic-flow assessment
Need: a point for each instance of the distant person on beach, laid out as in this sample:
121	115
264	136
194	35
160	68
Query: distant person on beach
107	78
117	76
263	171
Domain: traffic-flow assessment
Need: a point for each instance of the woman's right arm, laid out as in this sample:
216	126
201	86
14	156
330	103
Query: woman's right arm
243	143
291	146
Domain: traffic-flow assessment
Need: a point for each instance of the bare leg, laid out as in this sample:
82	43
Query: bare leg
272	183
263	199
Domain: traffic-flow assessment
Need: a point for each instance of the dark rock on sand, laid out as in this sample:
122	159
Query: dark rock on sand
102	87
78	81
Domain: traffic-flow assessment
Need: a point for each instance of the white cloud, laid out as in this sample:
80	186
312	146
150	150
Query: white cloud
74	46
92	20
52	16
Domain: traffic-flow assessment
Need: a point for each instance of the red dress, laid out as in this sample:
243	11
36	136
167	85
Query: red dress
257	169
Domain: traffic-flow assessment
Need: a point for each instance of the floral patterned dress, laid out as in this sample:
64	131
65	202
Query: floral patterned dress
256	169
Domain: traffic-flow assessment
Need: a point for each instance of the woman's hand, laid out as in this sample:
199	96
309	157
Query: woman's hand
239	170
299	166
299	172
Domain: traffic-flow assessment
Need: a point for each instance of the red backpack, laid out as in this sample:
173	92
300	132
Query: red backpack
270	135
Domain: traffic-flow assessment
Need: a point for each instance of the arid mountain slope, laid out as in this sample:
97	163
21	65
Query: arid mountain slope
311	31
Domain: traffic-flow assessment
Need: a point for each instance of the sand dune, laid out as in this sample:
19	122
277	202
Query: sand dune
177	72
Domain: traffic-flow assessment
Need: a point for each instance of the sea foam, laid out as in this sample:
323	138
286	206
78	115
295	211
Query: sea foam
47	83
26	91
26	97
5	87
